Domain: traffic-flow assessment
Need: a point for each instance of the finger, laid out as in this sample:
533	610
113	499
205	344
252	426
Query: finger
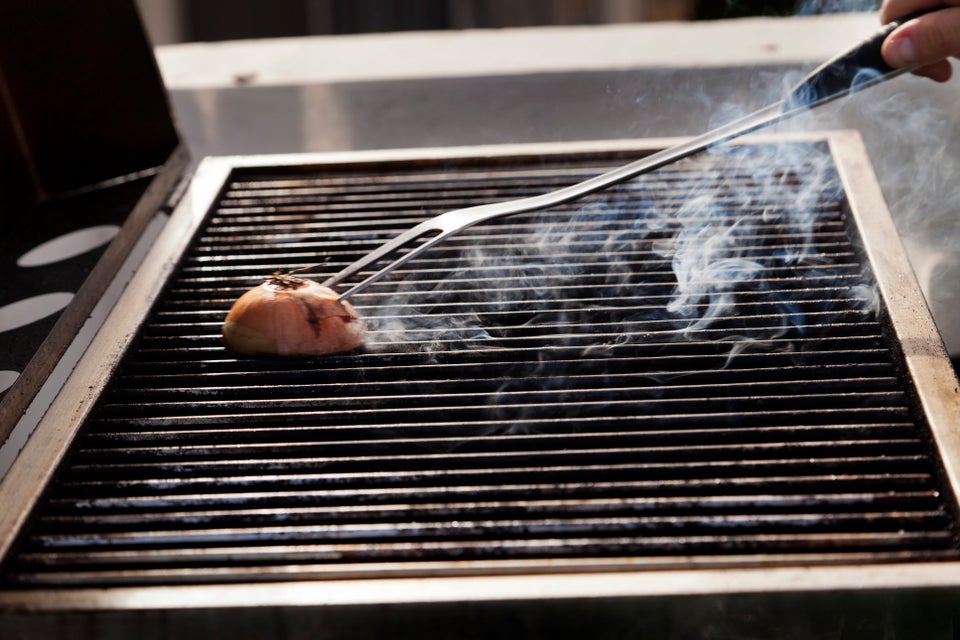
939	71
924	40
893	9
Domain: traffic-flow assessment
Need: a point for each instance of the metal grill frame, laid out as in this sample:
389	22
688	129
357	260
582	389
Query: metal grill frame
925	360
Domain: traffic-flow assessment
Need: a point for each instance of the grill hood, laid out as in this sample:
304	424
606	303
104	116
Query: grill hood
716	379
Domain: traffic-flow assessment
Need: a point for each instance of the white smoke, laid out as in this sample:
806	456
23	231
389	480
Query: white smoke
812	7
915	158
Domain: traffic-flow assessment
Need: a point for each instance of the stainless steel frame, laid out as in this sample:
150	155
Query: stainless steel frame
925	357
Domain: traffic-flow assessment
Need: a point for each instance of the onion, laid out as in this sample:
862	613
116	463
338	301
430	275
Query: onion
292	316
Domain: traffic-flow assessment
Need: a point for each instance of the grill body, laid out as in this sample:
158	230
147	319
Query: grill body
705	379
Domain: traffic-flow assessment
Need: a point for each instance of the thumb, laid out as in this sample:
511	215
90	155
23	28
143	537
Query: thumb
924	40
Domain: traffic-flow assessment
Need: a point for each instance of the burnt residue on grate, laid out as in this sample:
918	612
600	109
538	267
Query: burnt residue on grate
688	367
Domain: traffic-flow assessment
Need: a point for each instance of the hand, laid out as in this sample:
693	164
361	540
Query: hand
926	41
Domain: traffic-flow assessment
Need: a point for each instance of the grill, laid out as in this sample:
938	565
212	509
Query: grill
703	368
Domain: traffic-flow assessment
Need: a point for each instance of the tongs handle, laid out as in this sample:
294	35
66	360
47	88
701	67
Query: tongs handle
856	68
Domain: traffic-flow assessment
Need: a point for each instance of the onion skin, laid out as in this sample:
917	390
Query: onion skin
291	316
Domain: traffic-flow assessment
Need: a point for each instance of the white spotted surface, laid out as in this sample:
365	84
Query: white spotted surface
68	245
23	312
7	378
32	309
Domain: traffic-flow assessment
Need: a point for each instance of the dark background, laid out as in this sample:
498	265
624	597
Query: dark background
213	20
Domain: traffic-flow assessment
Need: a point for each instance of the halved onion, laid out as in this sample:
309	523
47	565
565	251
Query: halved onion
292	316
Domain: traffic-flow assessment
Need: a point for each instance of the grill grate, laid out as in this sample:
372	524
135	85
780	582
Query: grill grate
689	367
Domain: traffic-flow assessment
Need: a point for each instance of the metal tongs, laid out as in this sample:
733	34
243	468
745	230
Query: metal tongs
859	67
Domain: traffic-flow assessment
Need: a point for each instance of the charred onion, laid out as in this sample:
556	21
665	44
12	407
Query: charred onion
292	316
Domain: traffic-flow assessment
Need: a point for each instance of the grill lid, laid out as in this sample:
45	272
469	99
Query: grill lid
692	368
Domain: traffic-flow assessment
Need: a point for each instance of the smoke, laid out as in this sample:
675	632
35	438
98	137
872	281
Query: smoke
742	8
732	248
813	7
912	133
915	157
645	260
704	247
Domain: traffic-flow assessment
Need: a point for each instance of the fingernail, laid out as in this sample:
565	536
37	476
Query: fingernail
903	52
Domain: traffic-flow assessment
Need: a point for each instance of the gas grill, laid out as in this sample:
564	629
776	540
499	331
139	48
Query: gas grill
714	379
